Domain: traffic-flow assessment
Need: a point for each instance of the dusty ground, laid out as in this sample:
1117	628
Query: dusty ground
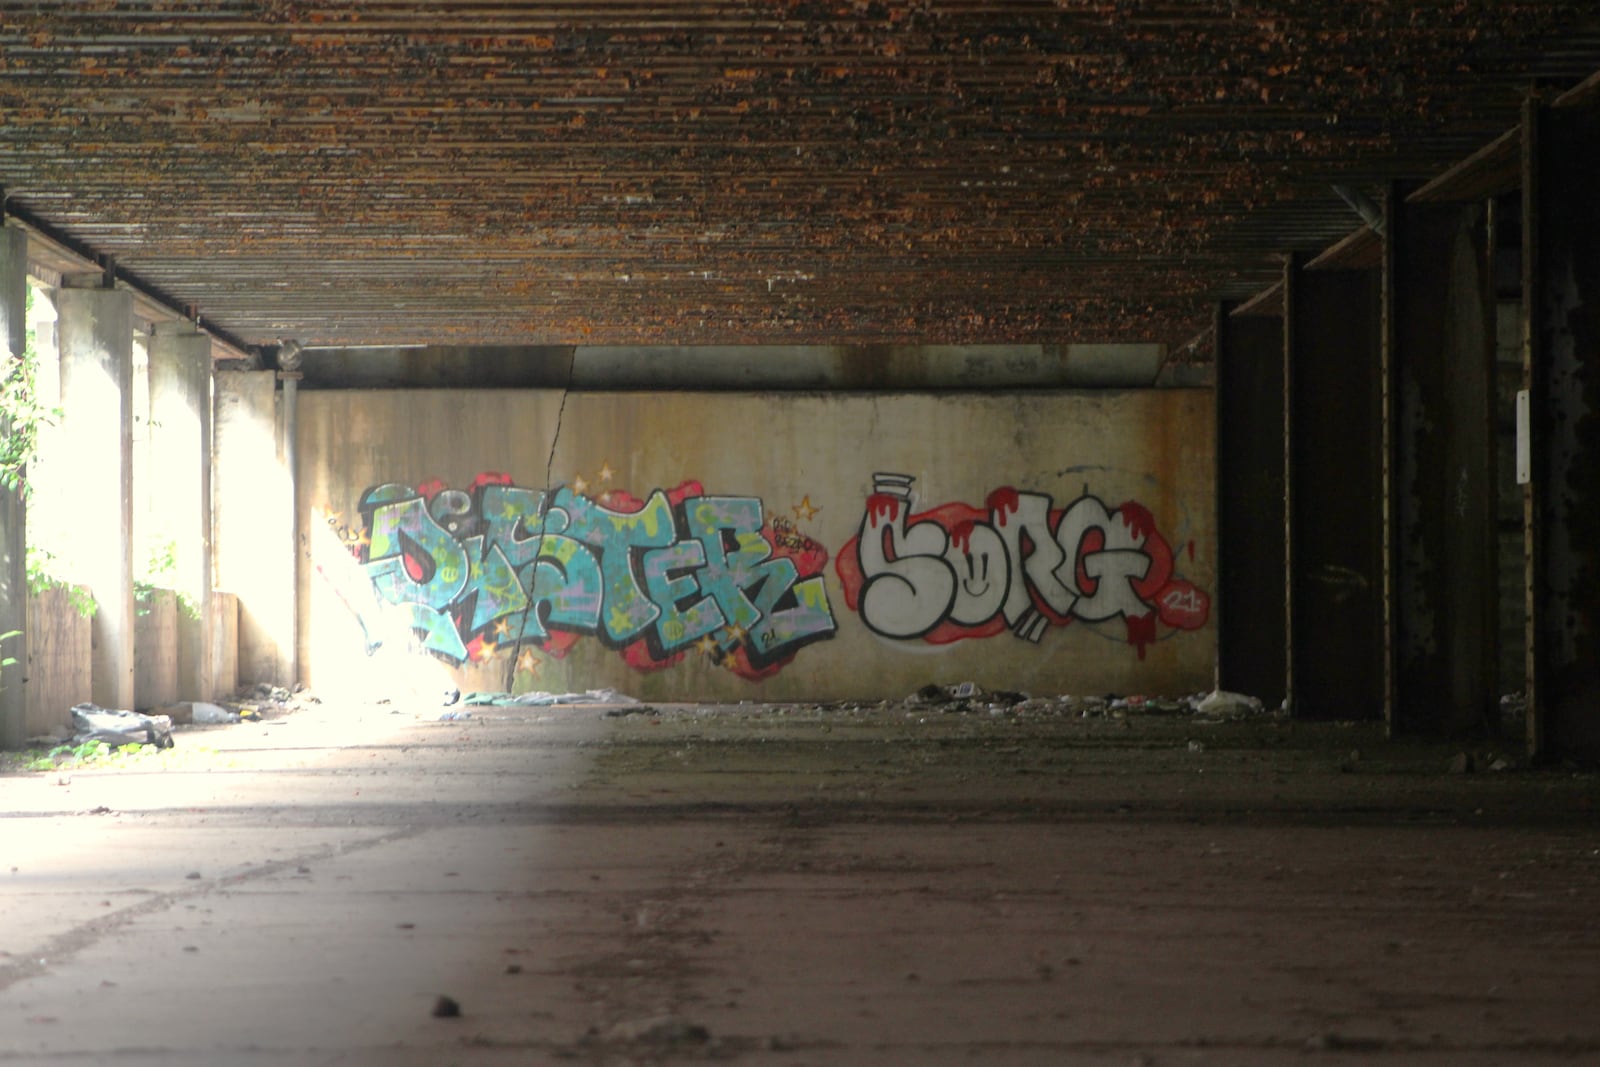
798	886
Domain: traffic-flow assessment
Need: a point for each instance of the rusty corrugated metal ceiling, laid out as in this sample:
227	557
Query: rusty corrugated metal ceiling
701	172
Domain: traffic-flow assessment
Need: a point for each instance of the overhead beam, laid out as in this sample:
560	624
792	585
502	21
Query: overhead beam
57	254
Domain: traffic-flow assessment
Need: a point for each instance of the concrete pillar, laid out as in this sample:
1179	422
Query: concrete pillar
95	333
1249	604
1561	295
1441	372
13	515
1335	488
180	441
254	533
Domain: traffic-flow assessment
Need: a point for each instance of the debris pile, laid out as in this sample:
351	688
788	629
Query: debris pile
92	723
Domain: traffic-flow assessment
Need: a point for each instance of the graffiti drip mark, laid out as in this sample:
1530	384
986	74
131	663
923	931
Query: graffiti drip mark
652	578
956	572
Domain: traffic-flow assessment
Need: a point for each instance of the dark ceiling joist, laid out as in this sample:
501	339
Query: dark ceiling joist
1493	170
62	255
1267	303
1362	250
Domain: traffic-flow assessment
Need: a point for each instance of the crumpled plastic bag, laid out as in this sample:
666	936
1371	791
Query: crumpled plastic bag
1221	704
115	727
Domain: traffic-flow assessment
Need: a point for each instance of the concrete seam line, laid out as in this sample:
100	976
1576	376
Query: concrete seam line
66	945
544	518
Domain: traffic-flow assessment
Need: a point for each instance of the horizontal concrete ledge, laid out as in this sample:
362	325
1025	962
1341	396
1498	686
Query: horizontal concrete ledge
740	367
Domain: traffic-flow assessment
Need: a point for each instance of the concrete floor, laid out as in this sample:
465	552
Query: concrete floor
798	886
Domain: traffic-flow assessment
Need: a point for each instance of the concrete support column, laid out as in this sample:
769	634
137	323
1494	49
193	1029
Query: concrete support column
95	334
180	440
1333	454
13	515
1250	604
254	530
1561	297
1440	315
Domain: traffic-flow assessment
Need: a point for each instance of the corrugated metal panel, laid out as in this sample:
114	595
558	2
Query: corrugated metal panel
617	172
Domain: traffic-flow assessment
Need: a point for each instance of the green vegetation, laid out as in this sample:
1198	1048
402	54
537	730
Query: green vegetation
44	574
22	414
100	756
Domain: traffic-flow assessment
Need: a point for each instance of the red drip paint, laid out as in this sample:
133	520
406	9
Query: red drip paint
948	633
881	507
620	500
961	536
1002	503
738	661
488	478
430	489
558	644
847	565
1141	631
1137	518
637	656
683	491
1191	551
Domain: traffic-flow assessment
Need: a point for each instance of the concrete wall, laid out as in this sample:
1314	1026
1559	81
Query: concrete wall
224	634
253	508
59	663
756	546
155	650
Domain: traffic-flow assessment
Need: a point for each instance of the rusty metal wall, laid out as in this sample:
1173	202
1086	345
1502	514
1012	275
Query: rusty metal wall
1441	314
393	171
1563	230
1335	484
1251	618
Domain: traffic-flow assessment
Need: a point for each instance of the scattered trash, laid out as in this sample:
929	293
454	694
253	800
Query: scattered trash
1221	704
1197	746
636	709
454	716
117	728
1462	763
540	699
660	1030
963	696
212	714
446	1008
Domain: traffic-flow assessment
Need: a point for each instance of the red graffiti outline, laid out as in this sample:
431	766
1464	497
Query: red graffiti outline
1190	611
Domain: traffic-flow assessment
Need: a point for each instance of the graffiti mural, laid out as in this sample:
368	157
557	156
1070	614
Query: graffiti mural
496	568
1021	564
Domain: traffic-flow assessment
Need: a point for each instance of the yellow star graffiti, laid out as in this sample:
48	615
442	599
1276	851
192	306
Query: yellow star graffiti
487	649
502	628
579	486
606	473
528	663
706	646
805	509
